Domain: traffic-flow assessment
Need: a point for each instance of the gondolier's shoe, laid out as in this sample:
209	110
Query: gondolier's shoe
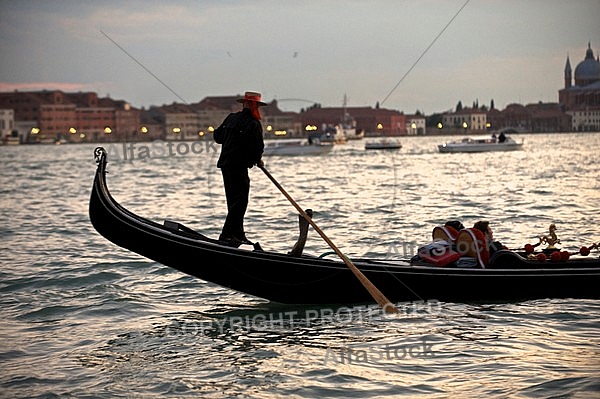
243	240
234	241
229	242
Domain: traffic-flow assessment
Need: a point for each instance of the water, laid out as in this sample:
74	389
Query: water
83	318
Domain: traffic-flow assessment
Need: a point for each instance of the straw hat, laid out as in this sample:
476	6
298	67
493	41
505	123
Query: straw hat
251	96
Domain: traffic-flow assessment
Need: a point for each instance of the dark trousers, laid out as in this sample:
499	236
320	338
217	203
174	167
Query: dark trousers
237	189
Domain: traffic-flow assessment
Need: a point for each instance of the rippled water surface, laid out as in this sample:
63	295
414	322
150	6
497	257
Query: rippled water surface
84	318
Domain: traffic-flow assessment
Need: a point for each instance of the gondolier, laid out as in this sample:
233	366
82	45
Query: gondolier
241	137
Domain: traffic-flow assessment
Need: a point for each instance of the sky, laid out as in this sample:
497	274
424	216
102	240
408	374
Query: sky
407	55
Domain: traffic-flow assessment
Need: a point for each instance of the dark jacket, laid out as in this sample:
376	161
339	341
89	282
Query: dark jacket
242	138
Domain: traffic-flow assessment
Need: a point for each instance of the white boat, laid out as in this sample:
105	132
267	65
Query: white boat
383	144
344	130
334	135
347	126
297	147
469	144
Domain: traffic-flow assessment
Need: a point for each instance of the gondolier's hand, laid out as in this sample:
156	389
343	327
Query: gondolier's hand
260	163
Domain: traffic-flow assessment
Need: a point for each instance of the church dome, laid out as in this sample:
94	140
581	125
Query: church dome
588	70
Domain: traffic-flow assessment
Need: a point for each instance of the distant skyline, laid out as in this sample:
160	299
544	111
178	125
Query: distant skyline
509	51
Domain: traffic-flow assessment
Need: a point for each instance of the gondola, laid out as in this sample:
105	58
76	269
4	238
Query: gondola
304	279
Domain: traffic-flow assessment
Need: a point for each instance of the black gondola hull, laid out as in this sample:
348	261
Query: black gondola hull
309	280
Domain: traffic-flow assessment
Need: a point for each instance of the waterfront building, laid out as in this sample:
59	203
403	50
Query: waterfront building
198	120
178	121
547	117
470	120
415	125
536	117
212	110
278	123
49	116
8	134
56	116
373	121
580	99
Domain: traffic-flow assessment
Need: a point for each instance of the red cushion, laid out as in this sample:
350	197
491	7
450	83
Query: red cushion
439	253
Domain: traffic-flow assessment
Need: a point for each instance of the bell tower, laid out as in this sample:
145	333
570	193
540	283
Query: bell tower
568	74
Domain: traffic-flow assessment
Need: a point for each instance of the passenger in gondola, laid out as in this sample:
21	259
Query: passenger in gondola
492	246
241	136
494	138
455	224
502	137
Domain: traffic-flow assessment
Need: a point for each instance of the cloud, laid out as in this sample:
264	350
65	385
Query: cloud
314	50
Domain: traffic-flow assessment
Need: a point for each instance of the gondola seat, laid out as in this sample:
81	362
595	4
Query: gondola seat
471	242
444	233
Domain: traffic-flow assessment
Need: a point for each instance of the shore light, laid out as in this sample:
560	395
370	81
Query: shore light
72	130
107	130
176	130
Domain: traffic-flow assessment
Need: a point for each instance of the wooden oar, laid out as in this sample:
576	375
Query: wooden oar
377	295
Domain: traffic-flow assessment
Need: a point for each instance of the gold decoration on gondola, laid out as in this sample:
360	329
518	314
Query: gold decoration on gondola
551	239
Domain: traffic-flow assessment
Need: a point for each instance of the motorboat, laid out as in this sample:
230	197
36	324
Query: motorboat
469	144
385	143
297	147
